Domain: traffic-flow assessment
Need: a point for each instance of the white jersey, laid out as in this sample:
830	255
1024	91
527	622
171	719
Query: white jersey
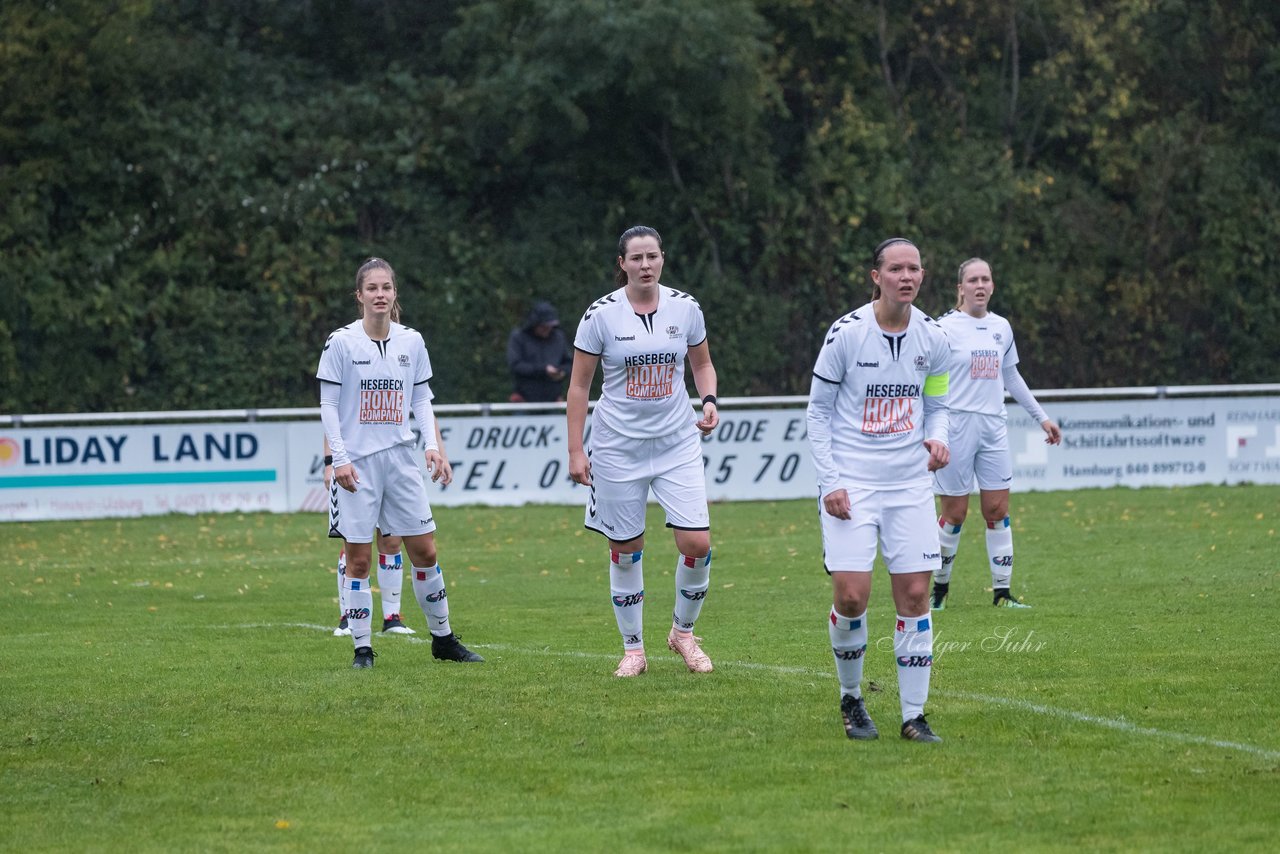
644	395
877	418
981	348
378	380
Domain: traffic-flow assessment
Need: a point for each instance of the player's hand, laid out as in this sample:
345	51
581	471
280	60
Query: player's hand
1053	432
328	477
580	468
346	477
710	418
438	465
837	504
939	454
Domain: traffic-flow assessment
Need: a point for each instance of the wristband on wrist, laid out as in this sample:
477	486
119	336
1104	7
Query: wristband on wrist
328	459
711	398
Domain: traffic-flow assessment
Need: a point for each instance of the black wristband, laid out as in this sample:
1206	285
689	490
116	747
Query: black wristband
328	459
711	398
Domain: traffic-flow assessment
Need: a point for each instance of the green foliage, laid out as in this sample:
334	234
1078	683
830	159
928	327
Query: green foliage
189	187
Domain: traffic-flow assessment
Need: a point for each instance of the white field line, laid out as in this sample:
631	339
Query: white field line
1036	708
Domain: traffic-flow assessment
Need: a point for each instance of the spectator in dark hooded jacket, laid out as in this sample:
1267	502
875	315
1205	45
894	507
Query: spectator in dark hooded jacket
539	356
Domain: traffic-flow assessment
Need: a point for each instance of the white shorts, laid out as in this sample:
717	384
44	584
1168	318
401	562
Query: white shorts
390	496
624	469
901	521
979	446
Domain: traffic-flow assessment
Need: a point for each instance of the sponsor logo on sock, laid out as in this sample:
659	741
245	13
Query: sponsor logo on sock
630	640
849	654
437	597
358	613
1002	560
915	661
694	595
629	600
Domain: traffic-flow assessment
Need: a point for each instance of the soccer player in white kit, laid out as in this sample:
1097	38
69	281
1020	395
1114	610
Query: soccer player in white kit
390	560
373	373
877	422
984	363
644	435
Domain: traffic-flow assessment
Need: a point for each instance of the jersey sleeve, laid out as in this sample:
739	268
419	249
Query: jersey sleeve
697	327
588	337
1011	352
330	369
831	364
422	371
938	377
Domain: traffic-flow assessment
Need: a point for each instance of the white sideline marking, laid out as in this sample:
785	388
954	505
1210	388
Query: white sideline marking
1114	723
1023	705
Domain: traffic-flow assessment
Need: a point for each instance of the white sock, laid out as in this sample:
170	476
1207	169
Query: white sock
433	599
390	582
626	587
949	540
1000	552
913	647
849	645
359	600
342	574
693	577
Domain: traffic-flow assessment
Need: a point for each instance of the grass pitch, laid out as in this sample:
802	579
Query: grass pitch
172	684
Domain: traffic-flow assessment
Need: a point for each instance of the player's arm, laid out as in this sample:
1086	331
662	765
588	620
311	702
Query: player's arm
429	430
343	471
1017	386
584	370
444	469
704	380
819	416
937	415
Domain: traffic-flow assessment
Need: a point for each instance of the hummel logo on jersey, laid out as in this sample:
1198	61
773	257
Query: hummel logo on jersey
362	361
868	364
624	338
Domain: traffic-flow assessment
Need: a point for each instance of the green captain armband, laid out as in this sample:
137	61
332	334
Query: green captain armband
936	385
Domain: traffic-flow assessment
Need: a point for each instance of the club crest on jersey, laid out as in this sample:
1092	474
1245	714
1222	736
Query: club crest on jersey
673	331
404	360
921	364
996	336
